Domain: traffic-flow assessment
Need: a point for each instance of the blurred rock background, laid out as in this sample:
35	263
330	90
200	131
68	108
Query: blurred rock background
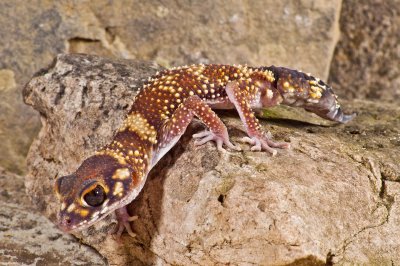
353	44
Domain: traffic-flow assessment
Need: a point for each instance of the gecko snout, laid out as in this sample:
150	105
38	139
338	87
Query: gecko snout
64	223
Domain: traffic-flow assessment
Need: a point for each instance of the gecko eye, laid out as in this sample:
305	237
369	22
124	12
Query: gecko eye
95	197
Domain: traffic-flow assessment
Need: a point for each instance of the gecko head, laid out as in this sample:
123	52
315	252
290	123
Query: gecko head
99	186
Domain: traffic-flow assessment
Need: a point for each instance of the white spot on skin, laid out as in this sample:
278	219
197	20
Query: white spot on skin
270	94
95	215
104	210
71	207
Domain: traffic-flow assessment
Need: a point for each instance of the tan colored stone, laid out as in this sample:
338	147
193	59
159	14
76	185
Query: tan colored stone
17	128
7	80
366	60
331	198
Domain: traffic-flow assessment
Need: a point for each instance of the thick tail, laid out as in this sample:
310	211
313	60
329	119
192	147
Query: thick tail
301	90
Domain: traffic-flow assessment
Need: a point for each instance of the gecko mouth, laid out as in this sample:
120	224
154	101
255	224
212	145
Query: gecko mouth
68	222
67	225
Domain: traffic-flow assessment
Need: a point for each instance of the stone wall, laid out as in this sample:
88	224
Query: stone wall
367	58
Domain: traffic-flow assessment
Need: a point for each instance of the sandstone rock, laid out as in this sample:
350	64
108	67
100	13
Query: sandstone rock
17	128
7	80
332	198
28	238
299	34
366	60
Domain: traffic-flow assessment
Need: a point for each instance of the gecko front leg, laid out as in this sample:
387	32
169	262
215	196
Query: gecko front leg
259	139
176	125
123	222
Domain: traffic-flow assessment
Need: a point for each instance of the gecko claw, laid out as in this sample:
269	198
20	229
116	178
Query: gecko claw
124	220
206	136
264	143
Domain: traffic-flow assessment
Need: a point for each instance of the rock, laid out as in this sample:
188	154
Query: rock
28	238
7	80
17	125
366	60
298	34
329	199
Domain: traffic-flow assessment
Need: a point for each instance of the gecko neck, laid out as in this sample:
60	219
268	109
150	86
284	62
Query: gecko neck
130	149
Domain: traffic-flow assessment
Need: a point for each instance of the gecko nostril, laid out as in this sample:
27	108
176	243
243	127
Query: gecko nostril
68	220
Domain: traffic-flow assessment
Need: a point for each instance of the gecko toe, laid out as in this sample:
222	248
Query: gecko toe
280	145
129	230
123	222
201	134
261	143
247	140
220	140
202	141
133	218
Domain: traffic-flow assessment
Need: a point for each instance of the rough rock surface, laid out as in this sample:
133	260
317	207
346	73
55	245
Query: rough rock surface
366	60
301	34
332	198
18	125
28	238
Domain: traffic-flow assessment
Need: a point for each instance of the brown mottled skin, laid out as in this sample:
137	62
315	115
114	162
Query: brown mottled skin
114	176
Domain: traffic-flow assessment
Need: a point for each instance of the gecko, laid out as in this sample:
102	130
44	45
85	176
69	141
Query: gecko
167	102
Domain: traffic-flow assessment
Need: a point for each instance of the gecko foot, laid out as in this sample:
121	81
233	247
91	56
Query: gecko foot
123	222
206	136
264	143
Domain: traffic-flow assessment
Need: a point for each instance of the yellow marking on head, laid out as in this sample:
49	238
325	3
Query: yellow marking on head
58	194
135	122
63	205
83	212
286	84
118	189
316	92
121	174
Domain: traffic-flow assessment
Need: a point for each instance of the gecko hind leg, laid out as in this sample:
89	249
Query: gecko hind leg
124	220
183	115
256	137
